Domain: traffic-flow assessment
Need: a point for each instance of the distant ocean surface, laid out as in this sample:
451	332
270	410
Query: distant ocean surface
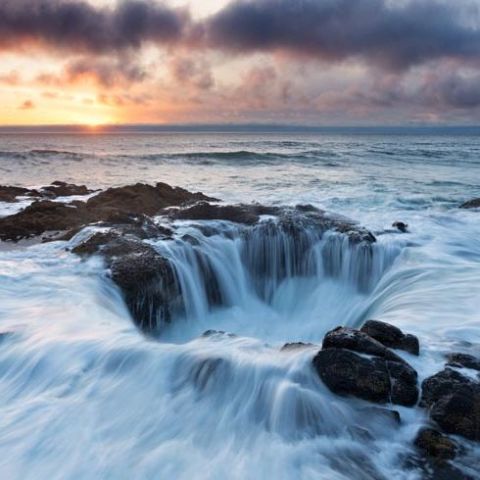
84	396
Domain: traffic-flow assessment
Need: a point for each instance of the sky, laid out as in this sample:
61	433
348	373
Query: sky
305	62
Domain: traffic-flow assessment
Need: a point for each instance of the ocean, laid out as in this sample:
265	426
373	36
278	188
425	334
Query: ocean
85	395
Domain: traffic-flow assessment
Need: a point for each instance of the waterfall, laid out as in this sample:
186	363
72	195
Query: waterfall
226	265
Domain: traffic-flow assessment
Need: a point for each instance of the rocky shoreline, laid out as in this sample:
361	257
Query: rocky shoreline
359	363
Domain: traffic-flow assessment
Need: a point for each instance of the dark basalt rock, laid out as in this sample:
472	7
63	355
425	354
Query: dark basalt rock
454	403
141	199
113	206
374	379
475	203
243	214
463	360
42	216
147	280
63	189
358	341
401	226
381	377
296	346
385	414
391	336
9	193
435	444
149	285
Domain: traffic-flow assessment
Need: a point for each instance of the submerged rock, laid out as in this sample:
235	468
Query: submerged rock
391	336
401	226
380	377
453	401
296	346
475	203
435	444
463	360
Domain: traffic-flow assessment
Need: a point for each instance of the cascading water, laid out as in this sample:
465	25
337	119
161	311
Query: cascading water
269	271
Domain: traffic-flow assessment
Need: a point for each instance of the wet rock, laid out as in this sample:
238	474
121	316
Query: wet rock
42	216
358	341
141	199
113	206
401	226
63	189
374	379
385	414
454	403
463	360
435	444
352	363
391	336
149	284
296	346
475	203
9	194
243	214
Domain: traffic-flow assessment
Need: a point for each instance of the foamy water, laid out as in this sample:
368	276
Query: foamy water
84	395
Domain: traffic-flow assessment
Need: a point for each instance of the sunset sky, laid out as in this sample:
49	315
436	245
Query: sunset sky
315	62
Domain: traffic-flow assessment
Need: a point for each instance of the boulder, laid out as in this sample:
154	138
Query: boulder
453	401
375	379
401	226
463	360
436	445
147	280
391	336
358	341
475	203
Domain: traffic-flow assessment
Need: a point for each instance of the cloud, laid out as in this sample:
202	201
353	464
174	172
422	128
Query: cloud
390	34
190	72
27	105
77	25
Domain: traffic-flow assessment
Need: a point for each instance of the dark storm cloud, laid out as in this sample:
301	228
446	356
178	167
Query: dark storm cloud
79	26
394	34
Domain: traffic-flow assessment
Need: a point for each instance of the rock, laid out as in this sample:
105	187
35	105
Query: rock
62	189
475	203
243	214
141	199
42	216
454	403
375	379
403	227
391	336
296	346
9	194
464	360
149	284
434	444
387	415
118	206
358	341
